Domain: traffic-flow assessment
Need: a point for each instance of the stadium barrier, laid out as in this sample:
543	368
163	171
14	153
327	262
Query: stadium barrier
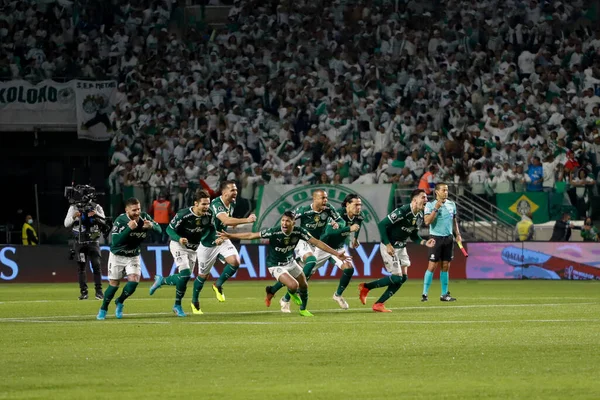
489	260
48	264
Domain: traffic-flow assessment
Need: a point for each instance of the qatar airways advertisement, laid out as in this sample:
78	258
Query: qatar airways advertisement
534	260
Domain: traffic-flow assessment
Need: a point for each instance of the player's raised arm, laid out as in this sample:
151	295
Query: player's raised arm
239	236
230	221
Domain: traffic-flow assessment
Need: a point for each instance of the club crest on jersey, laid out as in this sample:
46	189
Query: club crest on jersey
205	220
286	241
323	217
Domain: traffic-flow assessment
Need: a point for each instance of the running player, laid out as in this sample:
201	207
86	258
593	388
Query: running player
222	209
129	231
396	229
280	259
190	227
314	218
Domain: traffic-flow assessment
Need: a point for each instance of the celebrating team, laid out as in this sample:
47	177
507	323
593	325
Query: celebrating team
199	235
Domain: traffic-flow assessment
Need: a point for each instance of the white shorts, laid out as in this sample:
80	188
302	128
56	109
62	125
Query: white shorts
119	266
184	258
207	256
393	264
291	268
323	256
303	248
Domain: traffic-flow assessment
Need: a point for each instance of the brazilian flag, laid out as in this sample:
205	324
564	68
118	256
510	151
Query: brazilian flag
517	204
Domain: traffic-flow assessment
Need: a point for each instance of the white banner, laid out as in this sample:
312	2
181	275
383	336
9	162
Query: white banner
24	106
95	100
49	105
377	201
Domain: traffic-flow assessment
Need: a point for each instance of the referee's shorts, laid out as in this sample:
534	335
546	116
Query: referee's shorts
443	249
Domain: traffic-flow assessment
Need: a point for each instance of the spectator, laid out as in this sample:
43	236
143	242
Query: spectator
589	232
562	229
583	186
535	172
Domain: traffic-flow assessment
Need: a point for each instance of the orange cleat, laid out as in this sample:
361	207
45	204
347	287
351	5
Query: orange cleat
269	296
363	292
380	307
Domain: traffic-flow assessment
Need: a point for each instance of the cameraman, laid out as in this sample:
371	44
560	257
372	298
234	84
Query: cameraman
87	221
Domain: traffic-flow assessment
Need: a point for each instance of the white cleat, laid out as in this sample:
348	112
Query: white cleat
341	301
285	306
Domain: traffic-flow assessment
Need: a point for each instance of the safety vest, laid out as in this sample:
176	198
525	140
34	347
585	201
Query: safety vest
424	182
161	211
523	229
26	226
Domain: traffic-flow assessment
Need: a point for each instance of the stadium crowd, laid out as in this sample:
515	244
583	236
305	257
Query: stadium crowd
498	95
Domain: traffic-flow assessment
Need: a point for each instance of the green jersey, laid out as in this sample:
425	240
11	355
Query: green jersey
399	226
315	222
218	207
126	241
281	246
195	228
337	238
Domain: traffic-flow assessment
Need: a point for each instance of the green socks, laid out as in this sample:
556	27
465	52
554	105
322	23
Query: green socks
385	281
180	281
198	284
344	280
389	292
304	297
227	273
278	285
427	281
128	290
308	271
109	293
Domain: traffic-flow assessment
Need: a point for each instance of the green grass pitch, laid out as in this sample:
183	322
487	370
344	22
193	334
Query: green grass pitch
500	340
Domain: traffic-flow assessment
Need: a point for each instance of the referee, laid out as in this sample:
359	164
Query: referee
441	217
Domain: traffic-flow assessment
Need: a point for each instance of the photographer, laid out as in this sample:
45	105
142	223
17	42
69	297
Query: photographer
88	222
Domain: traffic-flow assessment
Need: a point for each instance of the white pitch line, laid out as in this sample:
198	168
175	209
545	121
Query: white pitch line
398	322
335	310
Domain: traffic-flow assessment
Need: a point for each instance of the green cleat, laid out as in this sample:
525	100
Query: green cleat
306	313
297	300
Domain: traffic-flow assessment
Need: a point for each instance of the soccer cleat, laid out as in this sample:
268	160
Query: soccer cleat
119	310
285	305
362	293
196	309
83	296
179	311
424	298
447	297
219	292
297	300
158	280
101	315
99	296
269	296
380	307
306	313
341	301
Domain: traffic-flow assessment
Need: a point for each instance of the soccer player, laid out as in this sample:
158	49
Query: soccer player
314	218
128	232
222	209
441	217
396	229
190	227
280	259
348	231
